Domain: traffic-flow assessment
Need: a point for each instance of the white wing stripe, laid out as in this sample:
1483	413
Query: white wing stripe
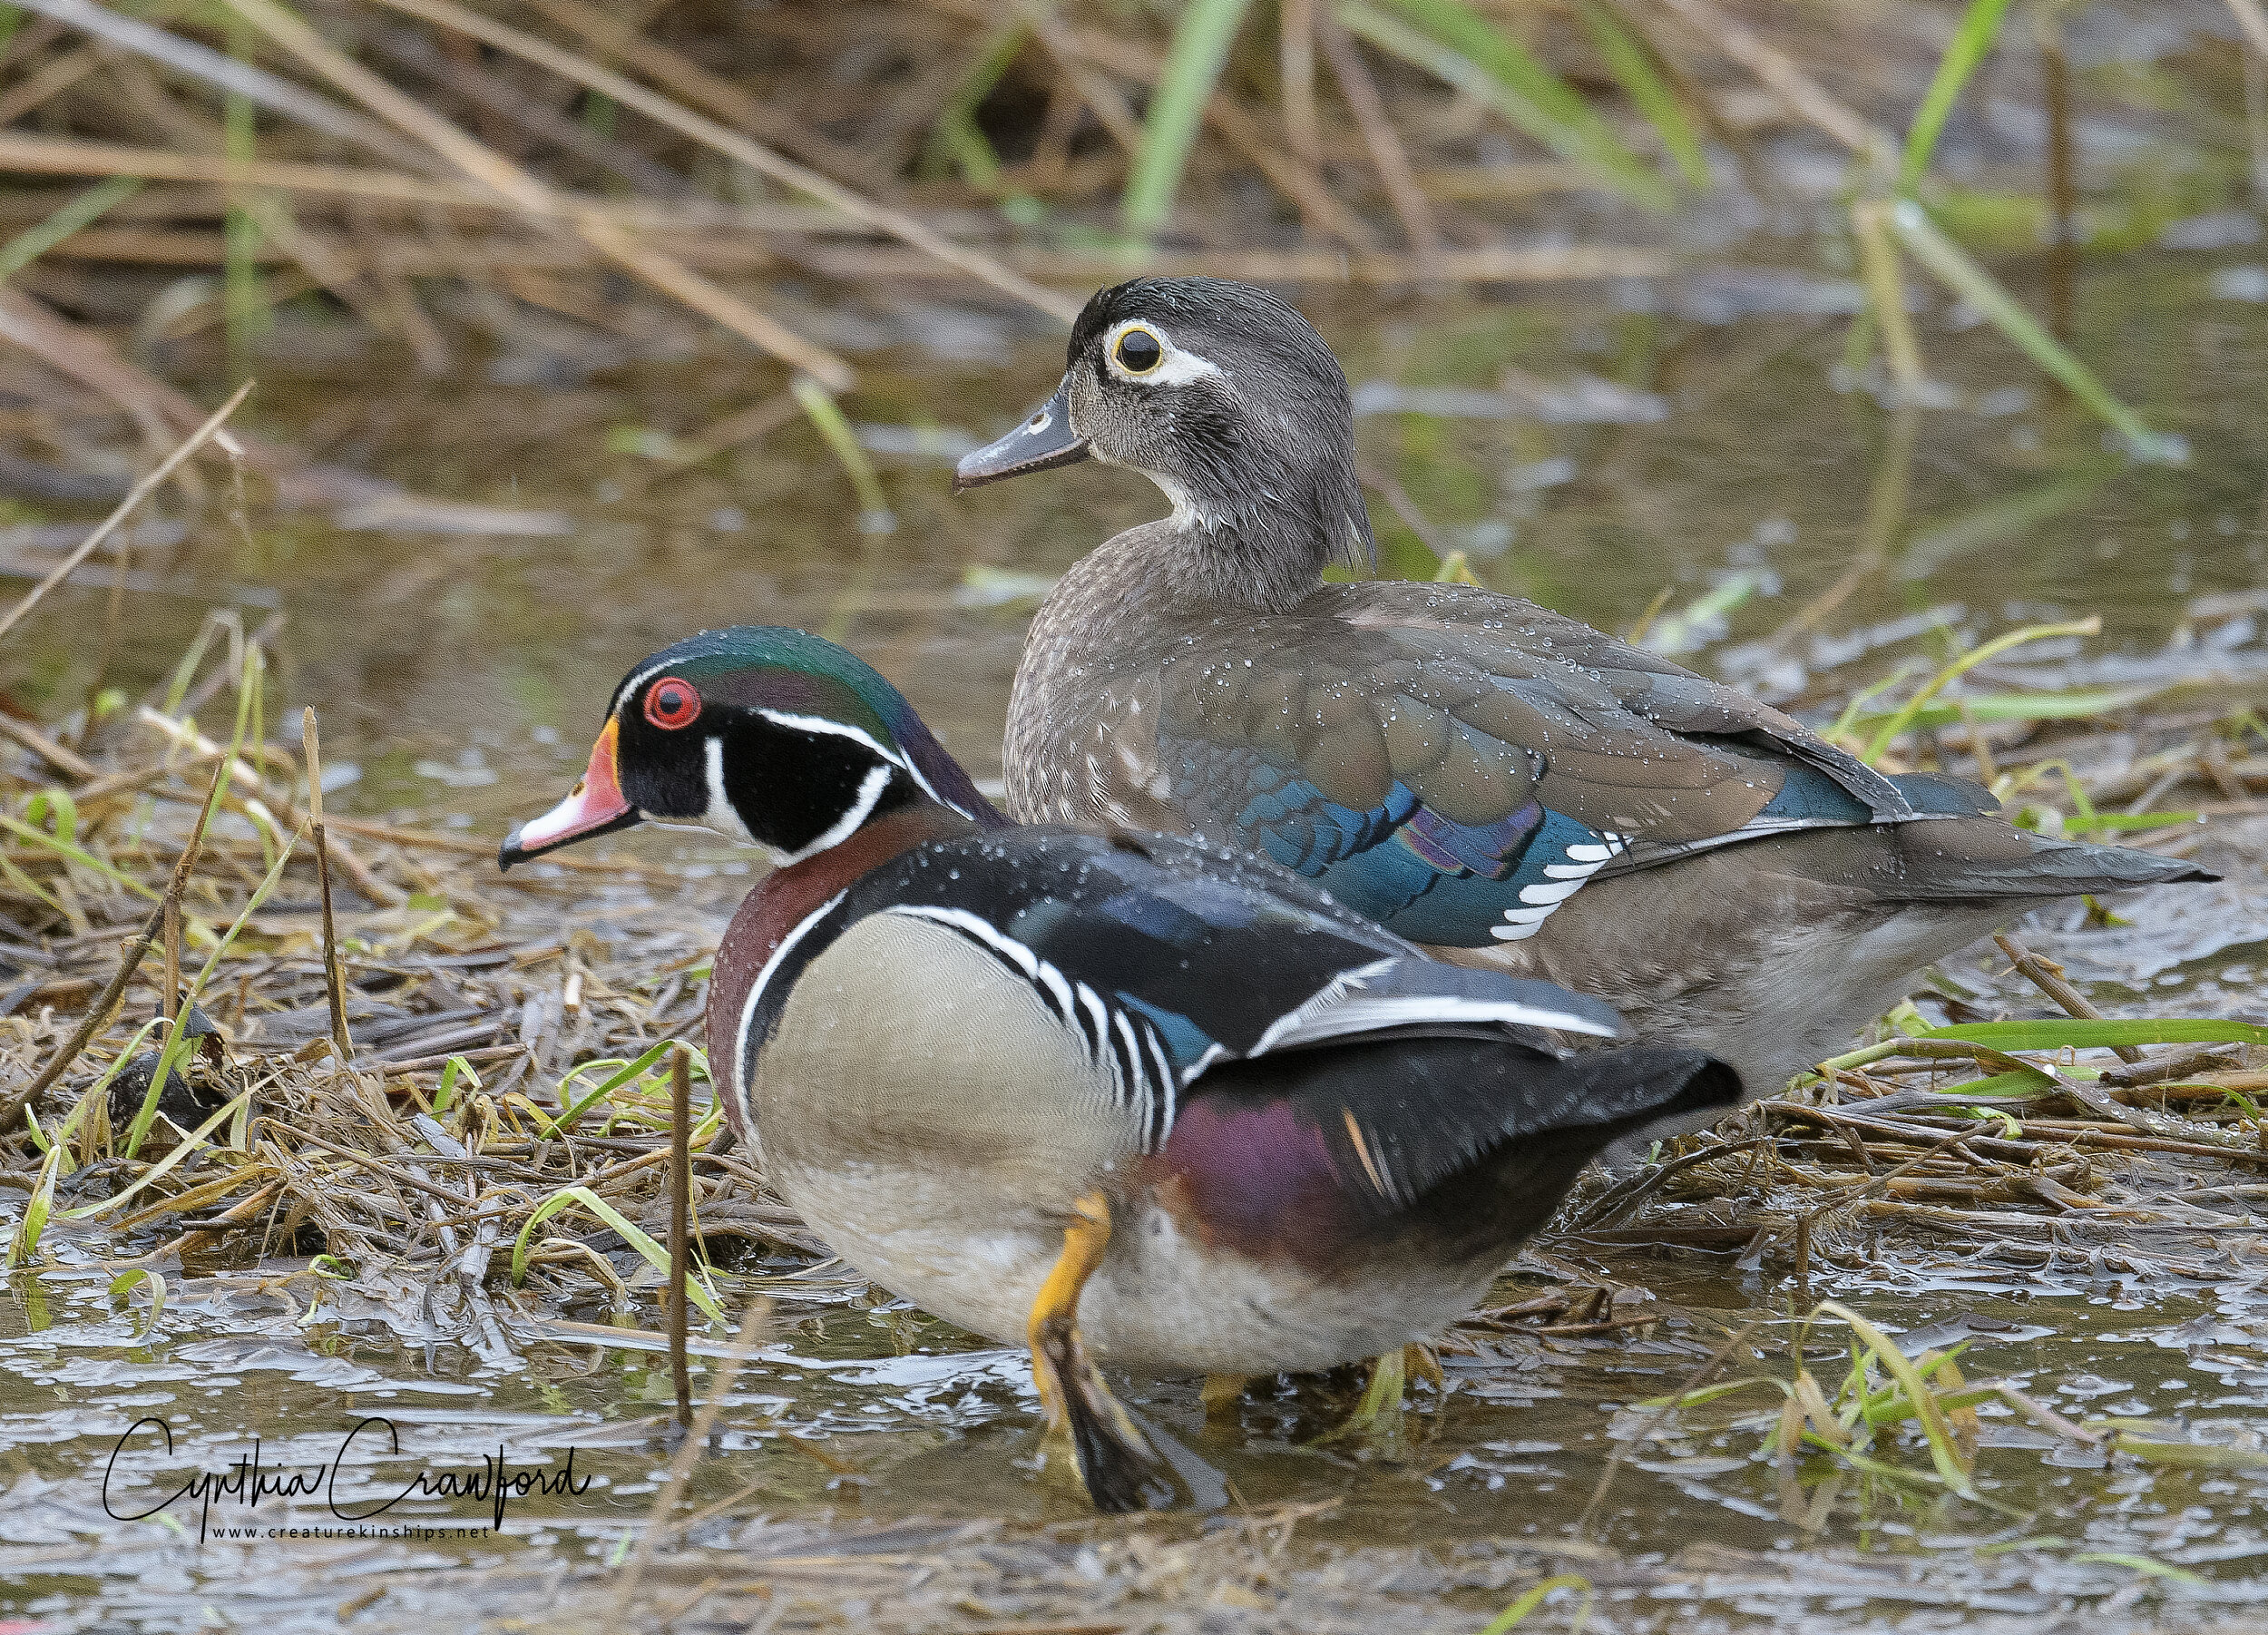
1364	1015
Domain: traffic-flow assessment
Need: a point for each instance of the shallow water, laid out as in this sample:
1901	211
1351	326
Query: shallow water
861	1418
462	674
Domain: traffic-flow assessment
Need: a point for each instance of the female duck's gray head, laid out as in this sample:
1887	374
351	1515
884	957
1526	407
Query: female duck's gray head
1227	399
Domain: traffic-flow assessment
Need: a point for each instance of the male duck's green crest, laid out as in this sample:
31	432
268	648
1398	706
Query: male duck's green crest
690	733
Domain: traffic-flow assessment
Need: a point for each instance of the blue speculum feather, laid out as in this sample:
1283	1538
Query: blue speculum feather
1809	795
1185	1042
1421	874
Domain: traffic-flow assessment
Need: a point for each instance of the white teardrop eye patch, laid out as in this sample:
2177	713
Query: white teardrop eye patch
1140	351
1137	350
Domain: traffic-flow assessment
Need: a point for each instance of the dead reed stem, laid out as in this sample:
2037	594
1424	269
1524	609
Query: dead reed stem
140	491
2047	976
334	981
681	1234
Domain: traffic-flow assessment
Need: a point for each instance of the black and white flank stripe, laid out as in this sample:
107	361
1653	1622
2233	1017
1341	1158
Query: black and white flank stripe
1125	1043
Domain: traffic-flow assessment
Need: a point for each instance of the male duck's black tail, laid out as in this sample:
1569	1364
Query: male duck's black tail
1461	1142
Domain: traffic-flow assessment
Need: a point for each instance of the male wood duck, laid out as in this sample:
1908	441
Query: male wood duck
1127	1096
1501	783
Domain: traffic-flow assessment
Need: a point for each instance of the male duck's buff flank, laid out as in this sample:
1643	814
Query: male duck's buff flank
1119	1096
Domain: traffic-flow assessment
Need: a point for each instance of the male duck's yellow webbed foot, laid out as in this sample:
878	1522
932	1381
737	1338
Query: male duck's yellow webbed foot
1221	1393
1121	1470
1378	1418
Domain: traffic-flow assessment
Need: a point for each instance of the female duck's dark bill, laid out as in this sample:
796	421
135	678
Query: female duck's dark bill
595	805
1044	439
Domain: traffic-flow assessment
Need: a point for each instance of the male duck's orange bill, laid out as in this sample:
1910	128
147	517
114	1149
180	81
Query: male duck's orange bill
593	807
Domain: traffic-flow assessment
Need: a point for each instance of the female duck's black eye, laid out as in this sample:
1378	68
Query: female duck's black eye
671	703
1138	351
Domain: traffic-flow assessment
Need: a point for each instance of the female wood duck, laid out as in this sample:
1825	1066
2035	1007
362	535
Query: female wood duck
1127	1096
1506	785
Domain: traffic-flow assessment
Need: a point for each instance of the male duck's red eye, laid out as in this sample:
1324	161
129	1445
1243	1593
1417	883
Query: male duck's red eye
672	704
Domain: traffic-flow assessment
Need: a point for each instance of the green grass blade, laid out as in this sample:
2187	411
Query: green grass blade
2191	1454
652	1253
825	414
626	1071
1464	51
62	847
2074	704
23	1242
1627	59
956	137
1894	1362
1972	41
67	219
1955	269
1529	1599
1201	39
1708	1394
2053	1033
124	1284
1903	717
2140	1563
457	1069
2114	822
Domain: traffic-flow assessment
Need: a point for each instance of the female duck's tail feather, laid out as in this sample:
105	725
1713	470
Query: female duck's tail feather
1984	860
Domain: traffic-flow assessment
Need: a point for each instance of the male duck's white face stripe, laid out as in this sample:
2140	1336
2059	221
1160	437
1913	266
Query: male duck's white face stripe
1122	1045
832	728
820	723
870	791
1560	882
631	688
744	1047
722	814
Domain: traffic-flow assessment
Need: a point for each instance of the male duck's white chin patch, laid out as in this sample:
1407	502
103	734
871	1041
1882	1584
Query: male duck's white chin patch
721	816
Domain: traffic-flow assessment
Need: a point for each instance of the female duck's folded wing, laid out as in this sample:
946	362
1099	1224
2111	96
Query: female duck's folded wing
1460	777
1506	635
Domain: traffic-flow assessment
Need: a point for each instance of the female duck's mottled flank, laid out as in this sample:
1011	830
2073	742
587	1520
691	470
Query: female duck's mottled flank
1113	1094
1483	775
